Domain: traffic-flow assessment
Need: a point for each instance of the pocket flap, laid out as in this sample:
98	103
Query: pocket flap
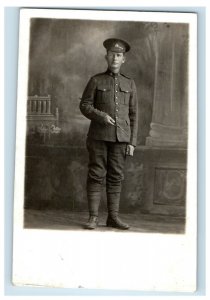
103	88
125	88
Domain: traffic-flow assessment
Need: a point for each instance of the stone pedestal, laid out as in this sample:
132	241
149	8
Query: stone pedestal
164	181
169	119
165	167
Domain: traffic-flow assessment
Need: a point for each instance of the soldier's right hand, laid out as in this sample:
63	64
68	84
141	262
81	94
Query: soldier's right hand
109	120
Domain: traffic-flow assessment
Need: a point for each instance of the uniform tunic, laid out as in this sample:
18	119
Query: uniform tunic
114	95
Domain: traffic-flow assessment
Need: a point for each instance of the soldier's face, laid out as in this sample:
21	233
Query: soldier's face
115	60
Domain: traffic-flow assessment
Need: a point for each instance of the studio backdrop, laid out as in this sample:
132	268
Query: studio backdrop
64	54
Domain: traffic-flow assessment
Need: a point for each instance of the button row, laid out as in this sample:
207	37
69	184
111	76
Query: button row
116	84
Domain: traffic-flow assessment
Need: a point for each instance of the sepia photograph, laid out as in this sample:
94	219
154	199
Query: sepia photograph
106	135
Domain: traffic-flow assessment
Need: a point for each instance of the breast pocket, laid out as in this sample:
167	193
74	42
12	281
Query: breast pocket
102	94
125	93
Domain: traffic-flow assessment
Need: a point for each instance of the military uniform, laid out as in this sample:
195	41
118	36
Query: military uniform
114	95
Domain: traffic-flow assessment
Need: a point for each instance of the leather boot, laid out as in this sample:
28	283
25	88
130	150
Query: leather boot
93	206
113	201
92	222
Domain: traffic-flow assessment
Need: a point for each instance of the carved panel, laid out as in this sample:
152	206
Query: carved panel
170	186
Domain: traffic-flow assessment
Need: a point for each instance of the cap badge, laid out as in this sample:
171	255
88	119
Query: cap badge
118	46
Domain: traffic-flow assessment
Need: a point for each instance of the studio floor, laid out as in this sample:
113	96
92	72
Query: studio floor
63	220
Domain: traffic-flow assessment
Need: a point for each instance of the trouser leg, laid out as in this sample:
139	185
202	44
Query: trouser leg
115	166
115	175
96	174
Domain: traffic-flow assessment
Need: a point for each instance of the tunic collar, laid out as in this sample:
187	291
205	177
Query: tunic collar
112	74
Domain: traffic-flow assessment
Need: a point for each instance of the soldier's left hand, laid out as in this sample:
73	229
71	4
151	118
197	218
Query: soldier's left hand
130	150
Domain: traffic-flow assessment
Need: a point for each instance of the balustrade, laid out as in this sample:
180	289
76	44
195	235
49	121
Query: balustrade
39	105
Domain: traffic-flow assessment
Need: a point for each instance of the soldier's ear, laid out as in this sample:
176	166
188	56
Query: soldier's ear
124	58
105	57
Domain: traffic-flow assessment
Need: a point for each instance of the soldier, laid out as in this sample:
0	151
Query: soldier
110	102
